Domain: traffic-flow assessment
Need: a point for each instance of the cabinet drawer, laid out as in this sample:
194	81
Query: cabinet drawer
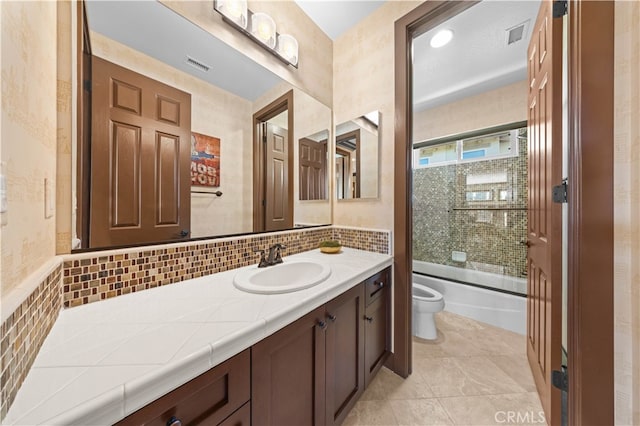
375	286
208	399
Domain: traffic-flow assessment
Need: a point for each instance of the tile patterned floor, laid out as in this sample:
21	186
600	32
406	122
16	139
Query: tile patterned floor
473	374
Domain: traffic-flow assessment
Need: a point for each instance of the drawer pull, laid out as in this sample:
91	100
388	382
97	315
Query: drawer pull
322	324
174	421
380	284
370	319
332	317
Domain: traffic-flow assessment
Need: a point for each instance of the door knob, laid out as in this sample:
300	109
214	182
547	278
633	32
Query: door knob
525	243
370	319
184	233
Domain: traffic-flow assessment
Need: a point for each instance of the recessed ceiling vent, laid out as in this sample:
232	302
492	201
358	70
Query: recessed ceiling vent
197	64
517	33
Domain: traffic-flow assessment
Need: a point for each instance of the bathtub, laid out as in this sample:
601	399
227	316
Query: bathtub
505	310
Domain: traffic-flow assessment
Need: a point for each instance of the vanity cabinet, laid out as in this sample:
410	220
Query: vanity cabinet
377	327
218	397
312	372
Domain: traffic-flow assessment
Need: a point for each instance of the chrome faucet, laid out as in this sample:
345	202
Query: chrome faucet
273	257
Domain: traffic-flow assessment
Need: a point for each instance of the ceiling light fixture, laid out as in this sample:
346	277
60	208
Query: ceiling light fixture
260	28
441	38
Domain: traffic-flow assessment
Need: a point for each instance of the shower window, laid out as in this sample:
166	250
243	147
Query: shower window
497	145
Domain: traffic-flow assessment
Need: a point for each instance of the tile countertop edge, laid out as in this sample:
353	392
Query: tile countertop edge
117	403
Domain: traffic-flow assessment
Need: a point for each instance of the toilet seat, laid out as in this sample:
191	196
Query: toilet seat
426	294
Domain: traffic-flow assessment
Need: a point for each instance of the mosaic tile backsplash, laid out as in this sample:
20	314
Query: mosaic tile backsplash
92	277
23	333
488	232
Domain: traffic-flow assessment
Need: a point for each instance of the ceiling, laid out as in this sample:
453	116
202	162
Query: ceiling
478	58
335	17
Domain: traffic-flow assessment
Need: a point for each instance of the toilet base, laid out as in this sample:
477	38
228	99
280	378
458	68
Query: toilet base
424	325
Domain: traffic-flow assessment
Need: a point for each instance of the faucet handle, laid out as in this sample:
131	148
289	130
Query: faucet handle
263	259
278	247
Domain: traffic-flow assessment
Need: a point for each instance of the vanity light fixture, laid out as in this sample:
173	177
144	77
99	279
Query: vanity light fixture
441	38
288	48
234	10
263	28
260	28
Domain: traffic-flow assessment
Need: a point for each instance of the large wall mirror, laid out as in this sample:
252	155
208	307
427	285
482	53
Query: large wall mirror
357	160
175	117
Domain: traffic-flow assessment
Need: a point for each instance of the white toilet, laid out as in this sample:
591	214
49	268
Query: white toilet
426	302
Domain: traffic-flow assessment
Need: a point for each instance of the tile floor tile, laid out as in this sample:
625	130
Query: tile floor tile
473	374
420	412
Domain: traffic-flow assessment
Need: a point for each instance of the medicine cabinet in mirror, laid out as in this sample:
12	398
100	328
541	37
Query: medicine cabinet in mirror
199	152
357	157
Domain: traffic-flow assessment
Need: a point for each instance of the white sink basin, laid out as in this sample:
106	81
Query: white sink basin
292	275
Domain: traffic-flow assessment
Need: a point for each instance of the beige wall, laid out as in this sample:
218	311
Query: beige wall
504	105
627	214
214	112
29	123
363	81
314	73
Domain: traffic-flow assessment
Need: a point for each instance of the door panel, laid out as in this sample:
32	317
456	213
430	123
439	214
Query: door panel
126	175
544	260
277	203
168	188
313	160
140	155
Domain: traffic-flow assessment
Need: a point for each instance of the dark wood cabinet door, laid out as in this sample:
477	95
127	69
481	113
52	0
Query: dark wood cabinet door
288	370
344	353
208	399
376	335
242	417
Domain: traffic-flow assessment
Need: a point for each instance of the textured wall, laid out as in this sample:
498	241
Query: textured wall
214	112
314	73
504	105
490	238
28	135
363	81
627	214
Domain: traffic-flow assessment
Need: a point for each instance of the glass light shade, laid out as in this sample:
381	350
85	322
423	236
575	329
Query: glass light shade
288	48
441	38
234	10
263	28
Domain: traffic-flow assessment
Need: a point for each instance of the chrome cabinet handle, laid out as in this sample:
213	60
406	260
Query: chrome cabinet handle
331	317
380	284
370	319
174	421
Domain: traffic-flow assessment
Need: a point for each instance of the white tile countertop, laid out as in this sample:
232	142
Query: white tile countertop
105	360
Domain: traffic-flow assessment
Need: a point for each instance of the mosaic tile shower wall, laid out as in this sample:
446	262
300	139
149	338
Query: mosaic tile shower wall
489	232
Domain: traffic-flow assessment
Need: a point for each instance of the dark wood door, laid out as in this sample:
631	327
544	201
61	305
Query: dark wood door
344	354
140	155
312	169
277	178
288	370
544	259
